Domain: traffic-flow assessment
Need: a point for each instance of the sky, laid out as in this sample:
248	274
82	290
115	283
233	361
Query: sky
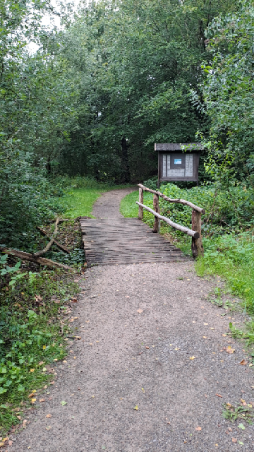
51	20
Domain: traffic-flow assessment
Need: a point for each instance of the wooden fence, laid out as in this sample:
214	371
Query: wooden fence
195	232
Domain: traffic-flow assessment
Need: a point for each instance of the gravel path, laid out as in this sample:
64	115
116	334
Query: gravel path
150	372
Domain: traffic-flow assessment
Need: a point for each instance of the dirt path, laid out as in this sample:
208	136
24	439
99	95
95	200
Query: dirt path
149	373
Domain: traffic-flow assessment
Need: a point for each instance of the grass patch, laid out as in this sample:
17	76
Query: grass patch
231	256
79	202
80	195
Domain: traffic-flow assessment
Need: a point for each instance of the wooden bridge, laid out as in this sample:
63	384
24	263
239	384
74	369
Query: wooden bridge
117	240
125	241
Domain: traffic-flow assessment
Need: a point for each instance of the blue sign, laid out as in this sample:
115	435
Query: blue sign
177	161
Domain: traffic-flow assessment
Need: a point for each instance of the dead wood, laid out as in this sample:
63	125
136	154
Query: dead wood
59	245
50	243
35	259
61	220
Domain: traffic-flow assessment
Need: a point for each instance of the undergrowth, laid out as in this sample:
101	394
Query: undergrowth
32	332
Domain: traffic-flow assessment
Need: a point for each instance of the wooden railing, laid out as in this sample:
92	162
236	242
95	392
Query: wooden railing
195	232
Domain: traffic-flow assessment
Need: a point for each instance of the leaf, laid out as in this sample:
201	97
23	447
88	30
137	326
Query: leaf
243	362
136	408
49	415
140	311
241	426
33	400
32	370
230	350
218	395
192	357
198	429
63	403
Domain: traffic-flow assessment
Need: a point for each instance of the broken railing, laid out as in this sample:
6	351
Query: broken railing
195	232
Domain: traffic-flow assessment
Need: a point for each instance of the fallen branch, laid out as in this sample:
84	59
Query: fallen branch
33	258
61	220
62	247
47	248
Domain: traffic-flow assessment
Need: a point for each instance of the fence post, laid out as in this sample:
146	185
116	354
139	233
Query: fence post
196	246
140	209
156	226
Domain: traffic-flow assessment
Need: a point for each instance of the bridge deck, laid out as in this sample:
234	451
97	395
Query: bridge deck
125	241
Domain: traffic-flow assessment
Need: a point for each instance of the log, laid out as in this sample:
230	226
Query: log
141	199
50	243
33	258
187	231
179	201
61	220
156	226
196	246
62	247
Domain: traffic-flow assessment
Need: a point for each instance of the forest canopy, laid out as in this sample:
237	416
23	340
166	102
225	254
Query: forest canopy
116	77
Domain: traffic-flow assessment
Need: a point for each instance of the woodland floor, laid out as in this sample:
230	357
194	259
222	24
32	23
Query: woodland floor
150	372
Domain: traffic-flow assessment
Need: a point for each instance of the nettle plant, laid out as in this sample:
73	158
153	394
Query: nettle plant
11	272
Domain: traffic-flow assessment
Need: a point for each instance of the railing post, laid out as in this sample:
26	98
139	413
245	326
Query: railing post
196	246
156	226
140	209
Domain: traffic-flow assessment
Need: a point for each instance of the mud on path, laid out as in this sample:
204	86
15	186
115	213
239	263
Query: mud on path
150	372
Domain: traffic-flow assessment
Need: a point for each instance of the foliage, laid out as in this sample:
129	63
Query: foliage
228	95
27	200
134	64
29	340
231	256
241	411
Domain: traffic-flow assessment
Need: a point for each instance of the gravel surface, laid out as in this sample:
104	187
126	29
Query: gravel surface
150	372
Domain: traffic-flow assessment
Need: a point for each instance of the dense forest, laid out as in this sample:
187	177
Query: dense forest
114	78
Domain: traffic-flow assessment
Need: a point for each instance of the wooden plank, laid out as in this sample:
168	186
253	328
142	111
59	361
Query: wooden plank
125	241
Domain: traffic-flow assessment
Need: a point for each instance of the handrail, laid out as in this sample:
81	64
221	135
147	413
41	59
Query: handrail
195	232
188	231
180	201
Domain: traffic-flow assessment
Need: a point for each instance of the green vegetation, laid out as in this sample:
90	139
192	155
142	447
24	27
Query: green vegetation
80	195
79	202
32	328
242	411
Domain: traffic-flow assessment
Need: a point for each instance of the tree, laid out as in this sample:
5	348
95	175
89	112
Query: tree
228	93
